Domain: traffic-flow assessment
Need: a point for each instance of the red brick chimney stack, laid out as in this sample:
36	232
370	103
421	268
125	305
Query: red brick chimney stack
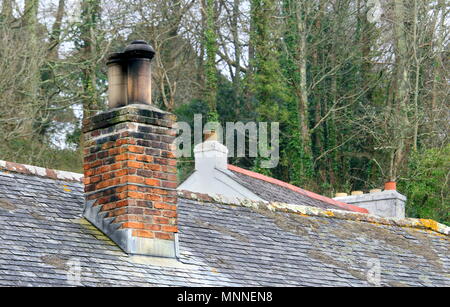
129	163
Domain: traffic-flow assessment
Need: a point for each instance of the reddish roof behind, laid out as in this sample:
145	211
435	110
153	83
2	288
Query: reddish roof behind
297	189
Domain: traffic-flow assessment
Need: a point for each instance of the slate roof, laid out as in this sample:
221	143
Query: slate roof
271	189
42	231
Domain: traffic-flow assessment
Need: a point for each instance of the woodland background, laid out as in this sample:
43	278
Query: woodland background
361	98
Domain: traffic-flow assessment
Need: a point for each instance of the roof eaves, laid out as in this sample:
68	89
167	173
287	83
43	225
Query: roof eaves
319	212
298	190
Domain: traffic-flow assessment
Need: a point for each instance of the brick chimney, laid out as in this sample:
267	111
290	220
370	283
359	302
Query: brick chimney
129	162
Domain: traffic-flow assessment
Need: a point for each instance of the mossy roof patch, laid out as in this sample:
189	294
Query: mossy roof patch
301	210
7	205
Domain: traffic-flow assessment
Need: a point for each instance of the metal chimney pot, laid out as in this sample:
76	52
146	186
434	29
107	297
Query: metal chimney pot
138	56
117	79
129	75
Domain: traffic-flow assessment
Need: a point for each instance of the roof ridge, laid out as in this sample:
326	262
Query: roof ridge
296	189
426	224
40	171
272	206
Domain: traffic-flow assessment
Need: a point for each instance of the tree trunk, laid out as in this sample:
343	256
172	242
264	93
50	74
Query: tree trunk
56	30
401	122
237	54
210	65
303	113
90	14
30	26
7	11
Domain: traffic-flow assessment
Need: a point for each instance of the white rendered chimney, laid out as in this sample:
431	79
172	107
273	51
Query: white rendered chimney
388	203
212	176
210	154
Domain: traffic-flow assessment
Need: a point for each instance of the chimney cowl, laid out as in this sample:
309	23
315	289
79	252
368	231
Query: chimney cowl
115	57
140	49
117	80
129	75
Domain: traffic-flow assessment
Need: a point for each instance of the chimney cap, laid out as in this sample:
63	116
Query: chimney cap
390	185
115	58
210	135
341	195
140	49
357	192
375	191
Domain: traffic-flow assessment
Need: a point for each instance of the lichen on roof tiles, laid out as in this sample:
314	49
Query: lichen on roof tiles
245	244
331	213
7	205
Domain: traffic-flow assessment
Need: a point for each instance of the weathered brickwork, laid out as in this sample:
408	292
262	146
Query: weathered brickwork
130	169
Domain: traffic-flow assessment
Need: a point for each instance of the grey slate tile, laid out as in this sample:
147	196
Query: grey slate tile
242	248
